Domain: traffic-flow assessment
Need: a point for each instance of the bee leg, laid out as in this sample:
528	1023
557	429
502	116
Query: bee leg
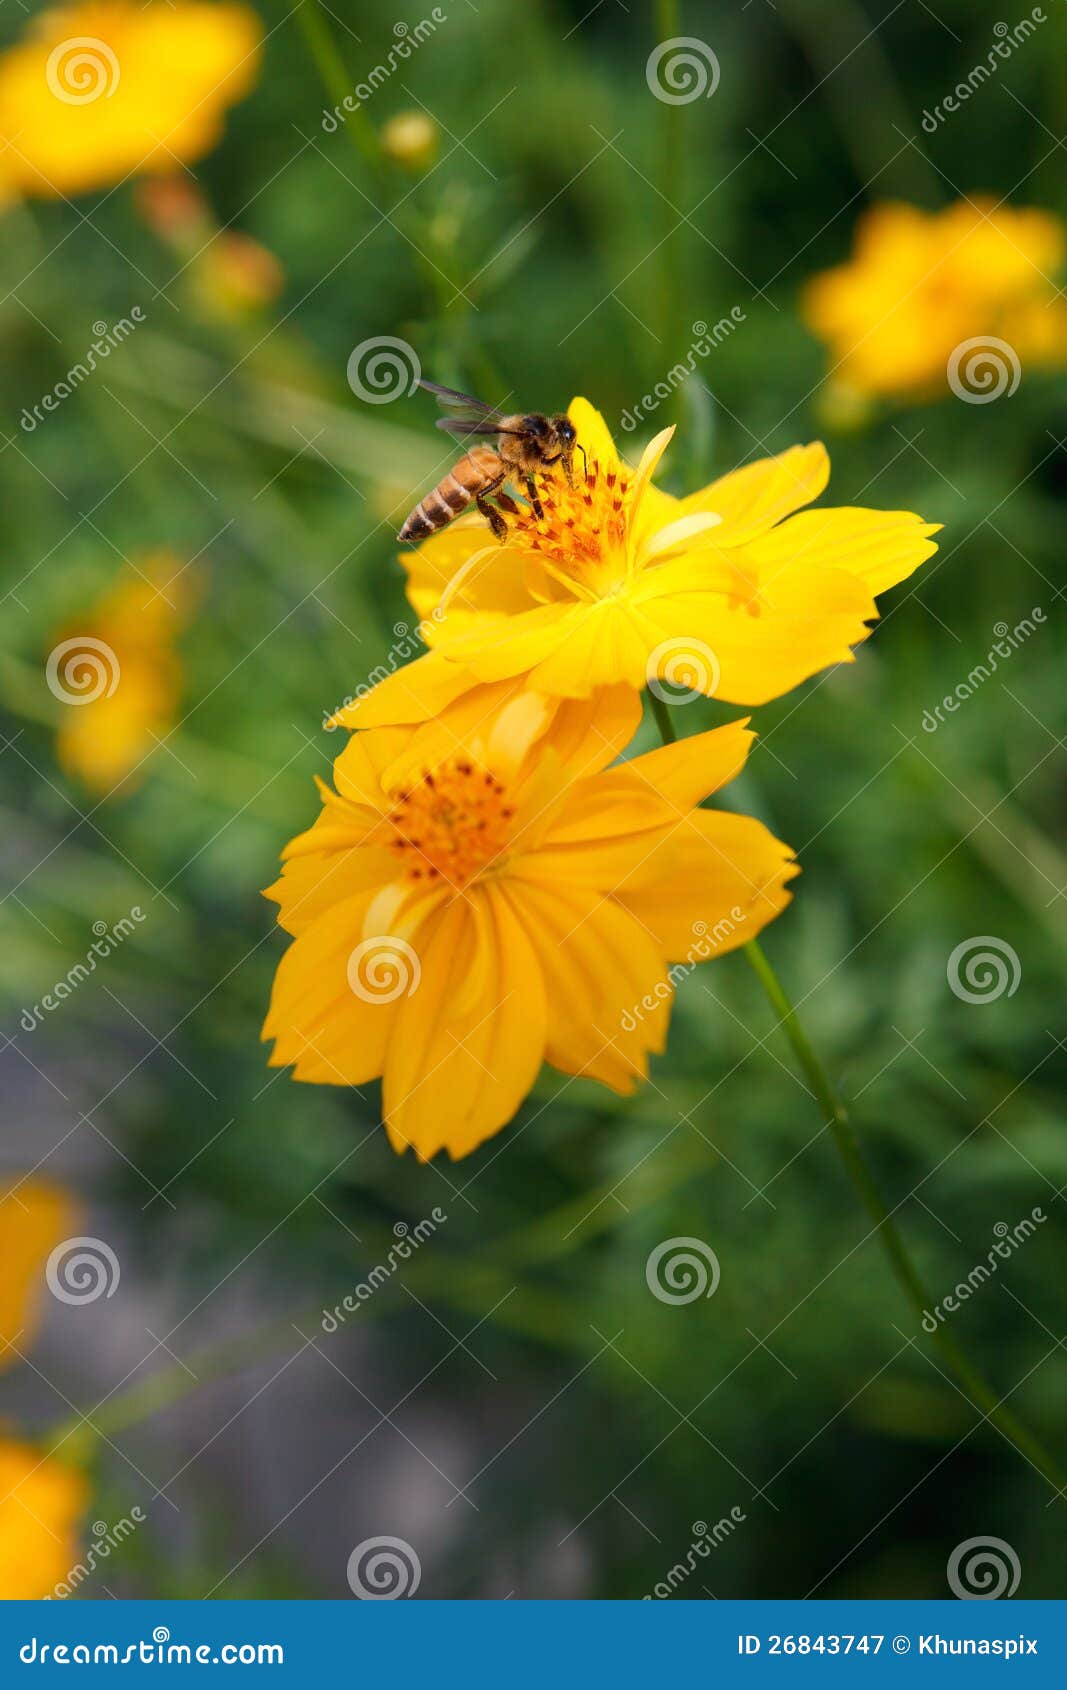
507	503
531	493
492	517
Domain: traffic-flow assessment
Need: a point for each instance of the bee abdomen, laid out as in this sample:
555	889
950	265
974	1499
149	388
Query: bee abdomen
476	470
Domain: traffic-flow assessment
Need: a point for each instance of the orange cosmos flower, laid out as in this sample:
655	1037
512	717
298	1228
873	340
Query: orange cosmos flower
117	677
97	91
903	315
35	1216
727	592
41	1503
484	893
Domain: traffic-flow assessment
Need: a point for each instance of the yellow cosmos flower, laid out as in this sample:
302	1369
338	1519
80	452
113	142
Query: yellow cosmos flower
41	1503
919	285
726	592
97	91
485	893
35	1216
117	675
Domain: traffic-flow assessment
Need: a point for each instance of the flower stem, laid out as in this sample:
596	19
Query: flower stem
664	722
331	68
668	28
975	1386
981	1393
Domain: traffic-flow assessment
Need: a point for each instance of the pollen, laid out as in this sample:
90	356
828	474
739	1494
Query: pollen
453	824
582	535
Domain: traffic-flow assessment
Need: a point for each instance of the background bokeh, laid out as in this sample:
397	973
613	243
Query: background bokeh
514	1403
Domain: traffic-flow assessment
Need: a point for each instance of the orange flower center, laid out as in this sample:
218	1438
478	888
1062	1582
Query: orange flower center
452	824
583	530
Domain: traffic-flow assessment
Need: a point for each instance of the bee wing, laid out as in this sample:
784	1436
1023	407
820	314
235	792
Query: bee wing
466	415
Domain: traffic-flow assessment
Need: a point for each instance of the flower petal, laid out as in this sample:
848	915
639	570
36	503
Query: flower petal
752	499
726	882
597	963
333	1035
594	434
879	547
460	1063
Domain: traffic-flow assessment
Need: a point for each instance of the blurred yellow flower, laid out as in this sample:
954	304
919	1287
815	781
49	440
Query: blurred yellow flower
35	1216
97	91
920	285
485	893
41	1503
621	582
117	675
412	139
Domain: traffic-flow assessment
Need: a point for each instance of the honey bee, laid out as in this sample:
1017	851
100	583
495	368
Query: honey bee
525	445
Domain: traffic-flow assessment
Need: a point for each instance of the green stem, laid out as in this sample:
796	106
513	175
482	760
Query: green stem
331	68
669	28
664	722
980	1392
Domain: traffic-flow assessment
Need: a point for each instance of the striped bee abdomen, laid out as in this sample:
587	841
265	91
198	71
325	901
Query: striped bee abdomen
477	472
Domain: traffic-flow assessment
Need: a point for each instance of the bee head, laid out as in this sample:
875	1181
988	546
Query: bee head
567	435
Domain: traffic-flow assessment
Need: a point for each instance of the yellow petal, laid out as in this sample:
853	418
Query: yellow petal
723	879
752	499
594	434
753	649
460	1063
35	1216
334	1031
598	964
412	693
42	1500
879	547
